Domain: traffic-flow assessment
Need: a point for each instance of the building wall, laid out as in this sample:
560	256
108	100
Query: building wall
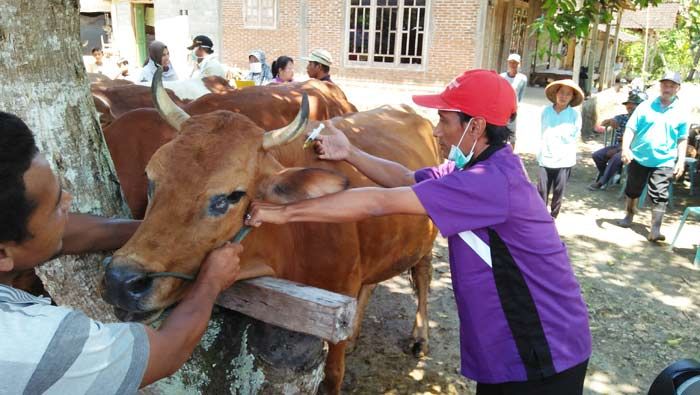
307	24
123	30
238	41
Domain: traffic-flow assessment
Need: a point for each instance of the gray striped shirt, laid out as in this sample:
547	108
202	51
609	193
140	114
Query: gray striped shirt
46	349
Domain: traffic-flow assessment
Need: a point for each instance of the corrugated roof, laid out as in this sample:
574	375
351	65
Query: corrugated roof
626	37
661	17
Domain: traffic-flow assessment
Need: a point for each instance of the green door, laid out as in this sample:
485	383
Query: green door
140	30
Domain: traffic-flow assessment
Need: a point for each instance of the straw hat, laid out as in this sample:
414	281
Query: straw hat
551	91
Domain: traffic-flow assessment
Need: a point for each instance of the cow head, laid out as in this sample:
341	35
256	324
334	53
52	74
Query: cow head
200	185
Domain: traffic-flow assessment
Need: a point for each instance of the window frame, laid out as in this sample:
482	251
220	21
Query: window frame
371	64
259	25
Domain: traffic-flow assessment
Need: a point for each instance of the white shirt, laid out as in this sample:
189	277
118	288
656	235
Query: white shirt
209	66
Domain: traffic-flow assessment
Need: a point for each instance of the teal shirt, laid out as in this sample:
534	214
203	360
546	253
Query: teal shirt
657	131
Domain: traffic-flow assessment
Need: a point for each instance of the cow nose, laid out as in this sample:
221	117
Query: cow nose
126	287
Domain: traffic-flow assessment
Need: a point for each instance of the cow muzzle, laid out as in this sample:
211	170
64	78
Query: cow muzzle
129	290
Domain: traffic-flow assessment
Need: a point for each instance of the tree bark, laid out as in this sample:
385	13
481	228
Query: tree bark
45	84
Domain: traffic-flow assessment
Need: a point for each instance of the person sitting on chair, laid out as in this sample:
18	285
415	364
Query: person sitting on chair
608	159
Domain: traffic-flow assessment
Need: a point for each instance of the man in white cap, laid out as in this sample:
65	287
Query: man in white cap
653	146
319	66
518	81
206	63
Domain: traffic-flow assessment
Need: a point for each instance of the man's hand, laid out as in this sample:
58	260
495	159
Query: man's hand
334	145
261	212
679	168
221	267
626	156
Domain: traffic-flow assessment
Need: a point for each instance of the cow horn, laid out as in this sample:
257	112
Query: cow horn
288	133
173	114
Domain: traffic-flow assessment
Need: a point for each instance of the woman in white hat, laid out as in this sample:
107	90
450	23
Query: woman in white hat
561	126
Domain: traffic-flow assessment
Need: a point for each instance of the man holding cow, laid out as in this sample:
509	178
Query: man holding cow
56	350
523	322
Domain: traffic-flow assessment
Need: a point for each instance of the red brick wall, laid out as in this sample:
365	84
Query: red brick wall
238	41
451	39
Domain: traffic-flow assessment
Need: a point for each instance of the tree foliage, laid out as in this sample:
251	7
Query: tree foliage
561	20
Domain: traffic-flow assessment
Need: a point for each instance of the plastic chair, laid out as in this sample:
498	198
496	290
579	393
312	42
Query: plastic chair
692	164
695	211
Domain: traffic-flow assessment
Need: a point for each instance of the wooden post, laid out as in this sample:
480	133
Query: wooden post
578	51
293	306
592	53
603	65
613	56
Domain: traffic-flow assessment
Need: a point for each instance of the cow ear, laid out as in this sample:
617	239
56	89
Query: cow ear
294	184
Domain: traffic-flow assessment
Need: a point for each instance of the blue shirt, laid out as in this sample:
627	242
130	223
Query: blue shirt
656	132
560	133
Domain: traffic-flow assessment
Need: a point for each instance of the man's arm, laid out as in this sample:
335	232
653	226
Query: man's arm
172	344
90	233
680	161
336	146
346	206
626	143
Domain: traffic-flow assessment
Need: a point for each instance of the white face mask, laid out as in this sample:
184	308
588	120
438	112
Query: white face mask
256	67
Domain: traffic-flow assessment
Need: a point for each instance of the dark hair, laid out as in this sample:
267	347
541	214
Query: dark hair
280	64
17	150
96	49
326	69
495	134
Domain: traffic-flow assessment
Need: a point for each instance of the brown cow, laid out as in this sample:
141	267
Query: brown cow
114	98
135	136
203	180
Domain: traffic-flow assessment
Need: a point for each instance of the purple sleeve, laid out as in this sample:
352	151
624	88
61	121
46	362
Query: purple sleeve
432	173
465	200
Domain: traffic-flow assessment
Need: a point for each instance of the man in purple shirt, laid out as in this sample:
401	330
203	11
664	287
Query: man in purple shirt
523	321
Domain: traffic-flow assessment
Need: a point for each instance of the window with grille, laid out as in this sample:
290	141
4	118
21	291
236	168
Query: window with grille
519	27
386	32
260	14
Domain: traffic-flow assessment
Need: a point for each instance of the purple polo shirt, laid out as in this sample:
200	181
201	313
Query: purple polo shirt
521	313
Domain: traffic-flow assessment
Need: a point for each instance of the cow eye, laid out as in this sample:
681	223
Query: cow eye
235	196
218	205
151	189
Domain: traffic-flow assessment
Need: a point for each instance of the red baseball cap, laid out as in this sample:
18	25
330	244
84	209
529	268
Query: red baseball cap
479	93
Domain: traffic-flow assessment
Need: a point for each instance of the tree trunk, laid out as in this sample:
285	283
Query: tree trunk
45	84
696	63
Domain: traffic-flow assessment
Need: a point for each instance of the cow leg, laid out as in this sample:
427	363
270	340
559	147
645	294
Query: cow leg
421	274
362	301
335	369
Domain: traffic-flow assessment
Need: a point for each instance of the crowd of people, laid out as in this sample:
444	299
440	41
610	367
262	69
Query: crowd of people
523	321
205	63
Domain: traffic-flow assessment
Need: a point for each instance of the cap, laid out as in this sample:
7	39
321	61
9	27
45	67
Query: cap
671	76
635	98
514	56
201	41
319	56
551	91
479	93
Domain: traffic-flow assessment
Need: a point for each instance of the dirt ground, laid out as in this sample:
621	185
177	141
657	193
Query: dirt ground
643	298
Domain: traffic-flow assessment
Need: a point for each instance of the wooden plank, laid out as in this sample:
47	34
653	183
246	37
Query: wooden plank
293	306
